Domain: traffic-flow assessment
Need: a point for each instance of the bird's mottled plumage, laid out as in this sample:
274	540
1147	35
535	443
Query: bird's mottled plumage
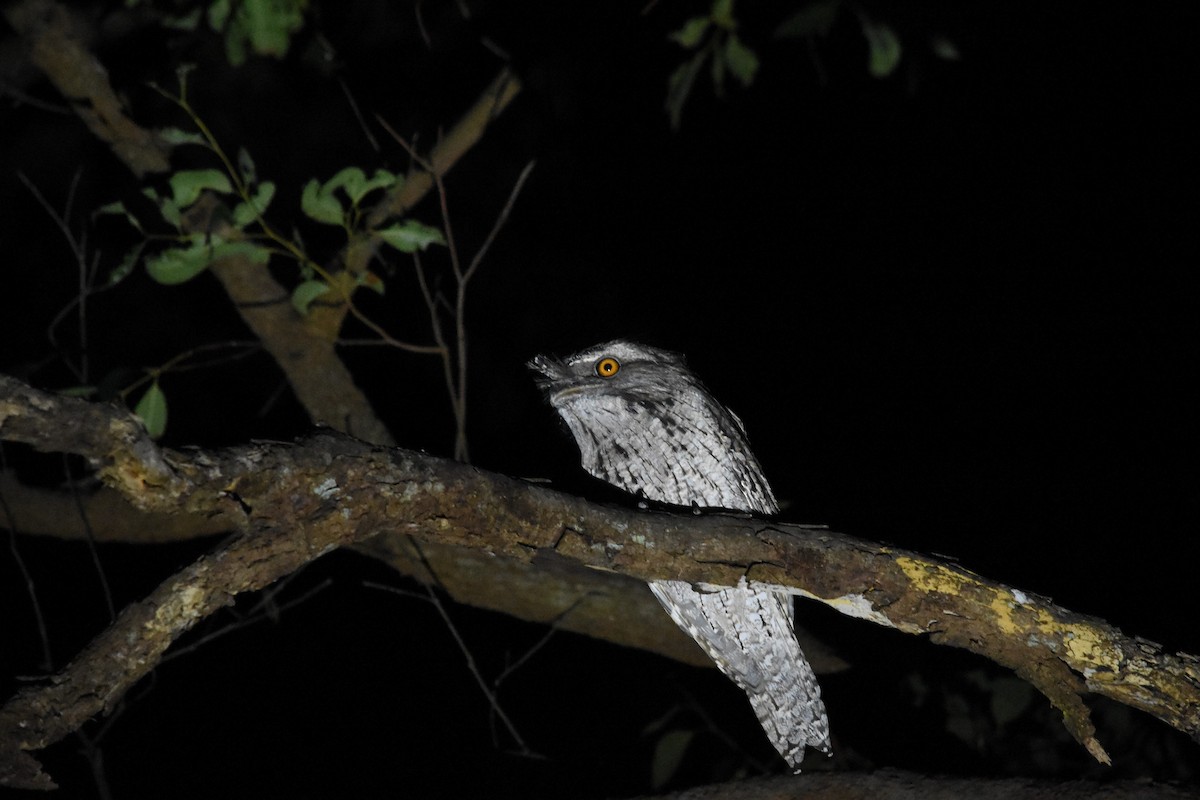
645	423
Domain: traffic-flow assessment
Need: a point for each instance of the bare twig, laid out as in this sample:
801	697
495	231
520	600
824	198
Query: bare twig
472	667
78	247
90	539
460	299
362	123
264	609
461	137
456	368
10	523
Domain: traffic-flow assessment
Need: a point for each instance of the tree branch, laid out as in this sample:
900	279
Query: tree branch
302	347
50	33
896	785
603	605
293	503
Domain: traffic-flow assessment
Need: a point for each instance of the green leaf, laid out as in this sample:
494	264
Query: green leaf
255	253
815	19
668	755
152	409
741	60
179	264
680	84
884	48
246	167
269	24
170	211
722	14
320	205
409	236
119	208
245	213
304	294
718	71
349	179
692	32
186	185
235	47
185	22
175	136
123	270
382	179
371	281
166	206
218	14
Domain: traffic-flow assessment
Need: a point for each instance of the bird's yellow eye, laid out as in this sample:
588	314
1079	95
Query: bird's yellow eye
607	367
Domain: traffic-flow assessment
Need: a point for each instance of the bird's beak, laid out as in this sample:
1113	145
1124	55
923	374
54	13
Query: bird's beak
552	368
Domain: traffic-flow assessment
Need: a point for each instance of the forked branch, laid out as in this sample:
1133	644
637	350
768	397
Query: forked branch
293	503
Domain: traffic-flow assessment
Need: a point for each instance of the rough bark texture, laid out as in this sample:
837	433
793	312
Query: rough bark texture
896	785
293	503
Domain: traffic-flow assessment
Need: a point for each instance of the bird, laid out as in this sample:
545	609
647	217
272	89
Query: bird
645	423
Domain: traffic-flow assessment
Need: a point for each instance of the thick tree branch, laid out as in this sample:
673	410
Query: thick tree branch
50	33
603	605
897	785
451	147
294	503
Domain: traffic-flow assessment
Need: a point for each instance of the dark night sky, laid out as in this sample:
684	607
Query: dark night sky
954	309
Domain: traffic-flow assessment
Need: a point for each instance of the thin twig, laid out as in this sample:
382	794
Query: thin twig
457	379
493	701
717	731
431	303
460	309
94	754
264	609
383	587
79	253
10	523
90	538
362	123
540	643
500	220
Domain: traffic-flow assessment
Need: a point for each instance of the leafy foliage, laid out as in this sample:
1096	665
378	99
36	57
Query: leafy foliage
261	27
220	213
152	410
711	38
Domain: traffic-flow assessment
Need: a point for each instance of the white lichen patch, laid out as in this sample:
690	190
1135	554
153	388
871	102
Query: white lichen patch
183	609
413	490
327	489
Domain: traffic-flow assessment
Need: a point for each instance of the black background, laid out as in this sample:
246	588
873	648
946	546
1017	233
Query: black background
955	309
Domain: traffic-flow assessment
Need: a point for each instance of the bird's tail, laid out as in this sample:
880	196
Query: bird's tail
747	631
